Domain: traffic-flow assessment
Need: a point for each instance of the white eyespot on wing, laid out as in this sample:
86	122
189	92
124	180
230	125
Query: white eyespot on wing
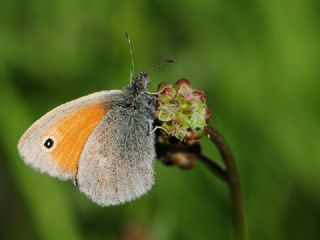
117	162
53	144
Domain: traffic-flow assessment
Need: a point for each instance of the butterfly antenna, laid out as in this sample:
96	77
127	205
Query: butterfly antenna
132	73
160	64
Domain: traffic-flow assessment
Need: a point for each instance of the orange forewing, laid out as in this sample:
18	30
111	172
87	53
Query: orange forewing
71	133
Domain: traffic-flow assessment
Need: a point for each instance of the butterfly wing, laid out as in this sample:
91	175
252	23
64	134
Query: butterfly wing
53	143
117	162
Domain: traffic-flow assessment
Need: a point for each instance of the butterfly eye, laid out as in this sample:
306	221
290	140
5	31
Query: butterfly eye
49	143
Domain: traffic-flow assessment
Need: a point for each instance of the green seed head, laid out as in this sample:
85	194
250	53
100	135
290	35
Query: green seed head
182	111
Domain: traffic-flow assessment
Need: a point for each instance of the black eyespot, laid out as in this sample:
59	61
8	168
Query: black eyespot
48	143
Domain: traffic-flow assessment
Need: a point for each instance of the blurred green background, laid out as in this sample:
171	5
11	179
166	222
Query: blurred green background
257	60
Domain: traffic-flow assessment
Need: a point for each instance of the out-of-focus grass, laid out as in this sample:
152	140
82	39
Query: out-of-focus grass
257	61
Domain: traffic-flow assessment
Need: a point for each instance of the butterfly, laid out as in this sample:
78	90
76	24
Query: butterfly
103	142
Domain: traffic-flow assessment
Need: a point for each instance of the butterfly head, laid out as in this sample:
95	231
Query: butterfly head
140	83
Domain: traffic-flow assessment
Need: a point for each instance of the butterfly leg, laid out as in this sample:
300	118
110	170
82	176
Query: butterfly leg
156	93
151	131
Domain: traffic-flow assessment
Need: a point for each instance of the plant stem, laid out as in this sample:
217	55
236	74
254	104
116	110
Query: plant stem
227	174
233	180
214	168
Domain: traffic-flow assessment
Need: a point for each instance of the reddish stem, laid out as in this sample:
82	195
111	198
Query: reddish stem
233	180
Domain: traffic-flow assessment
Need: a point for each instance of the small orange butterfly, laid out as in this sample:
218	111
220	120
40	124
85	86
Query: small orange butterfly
101	141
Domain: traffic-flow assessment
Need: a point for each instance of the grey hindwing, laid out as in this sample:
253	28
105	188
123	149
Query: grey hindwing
117	162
